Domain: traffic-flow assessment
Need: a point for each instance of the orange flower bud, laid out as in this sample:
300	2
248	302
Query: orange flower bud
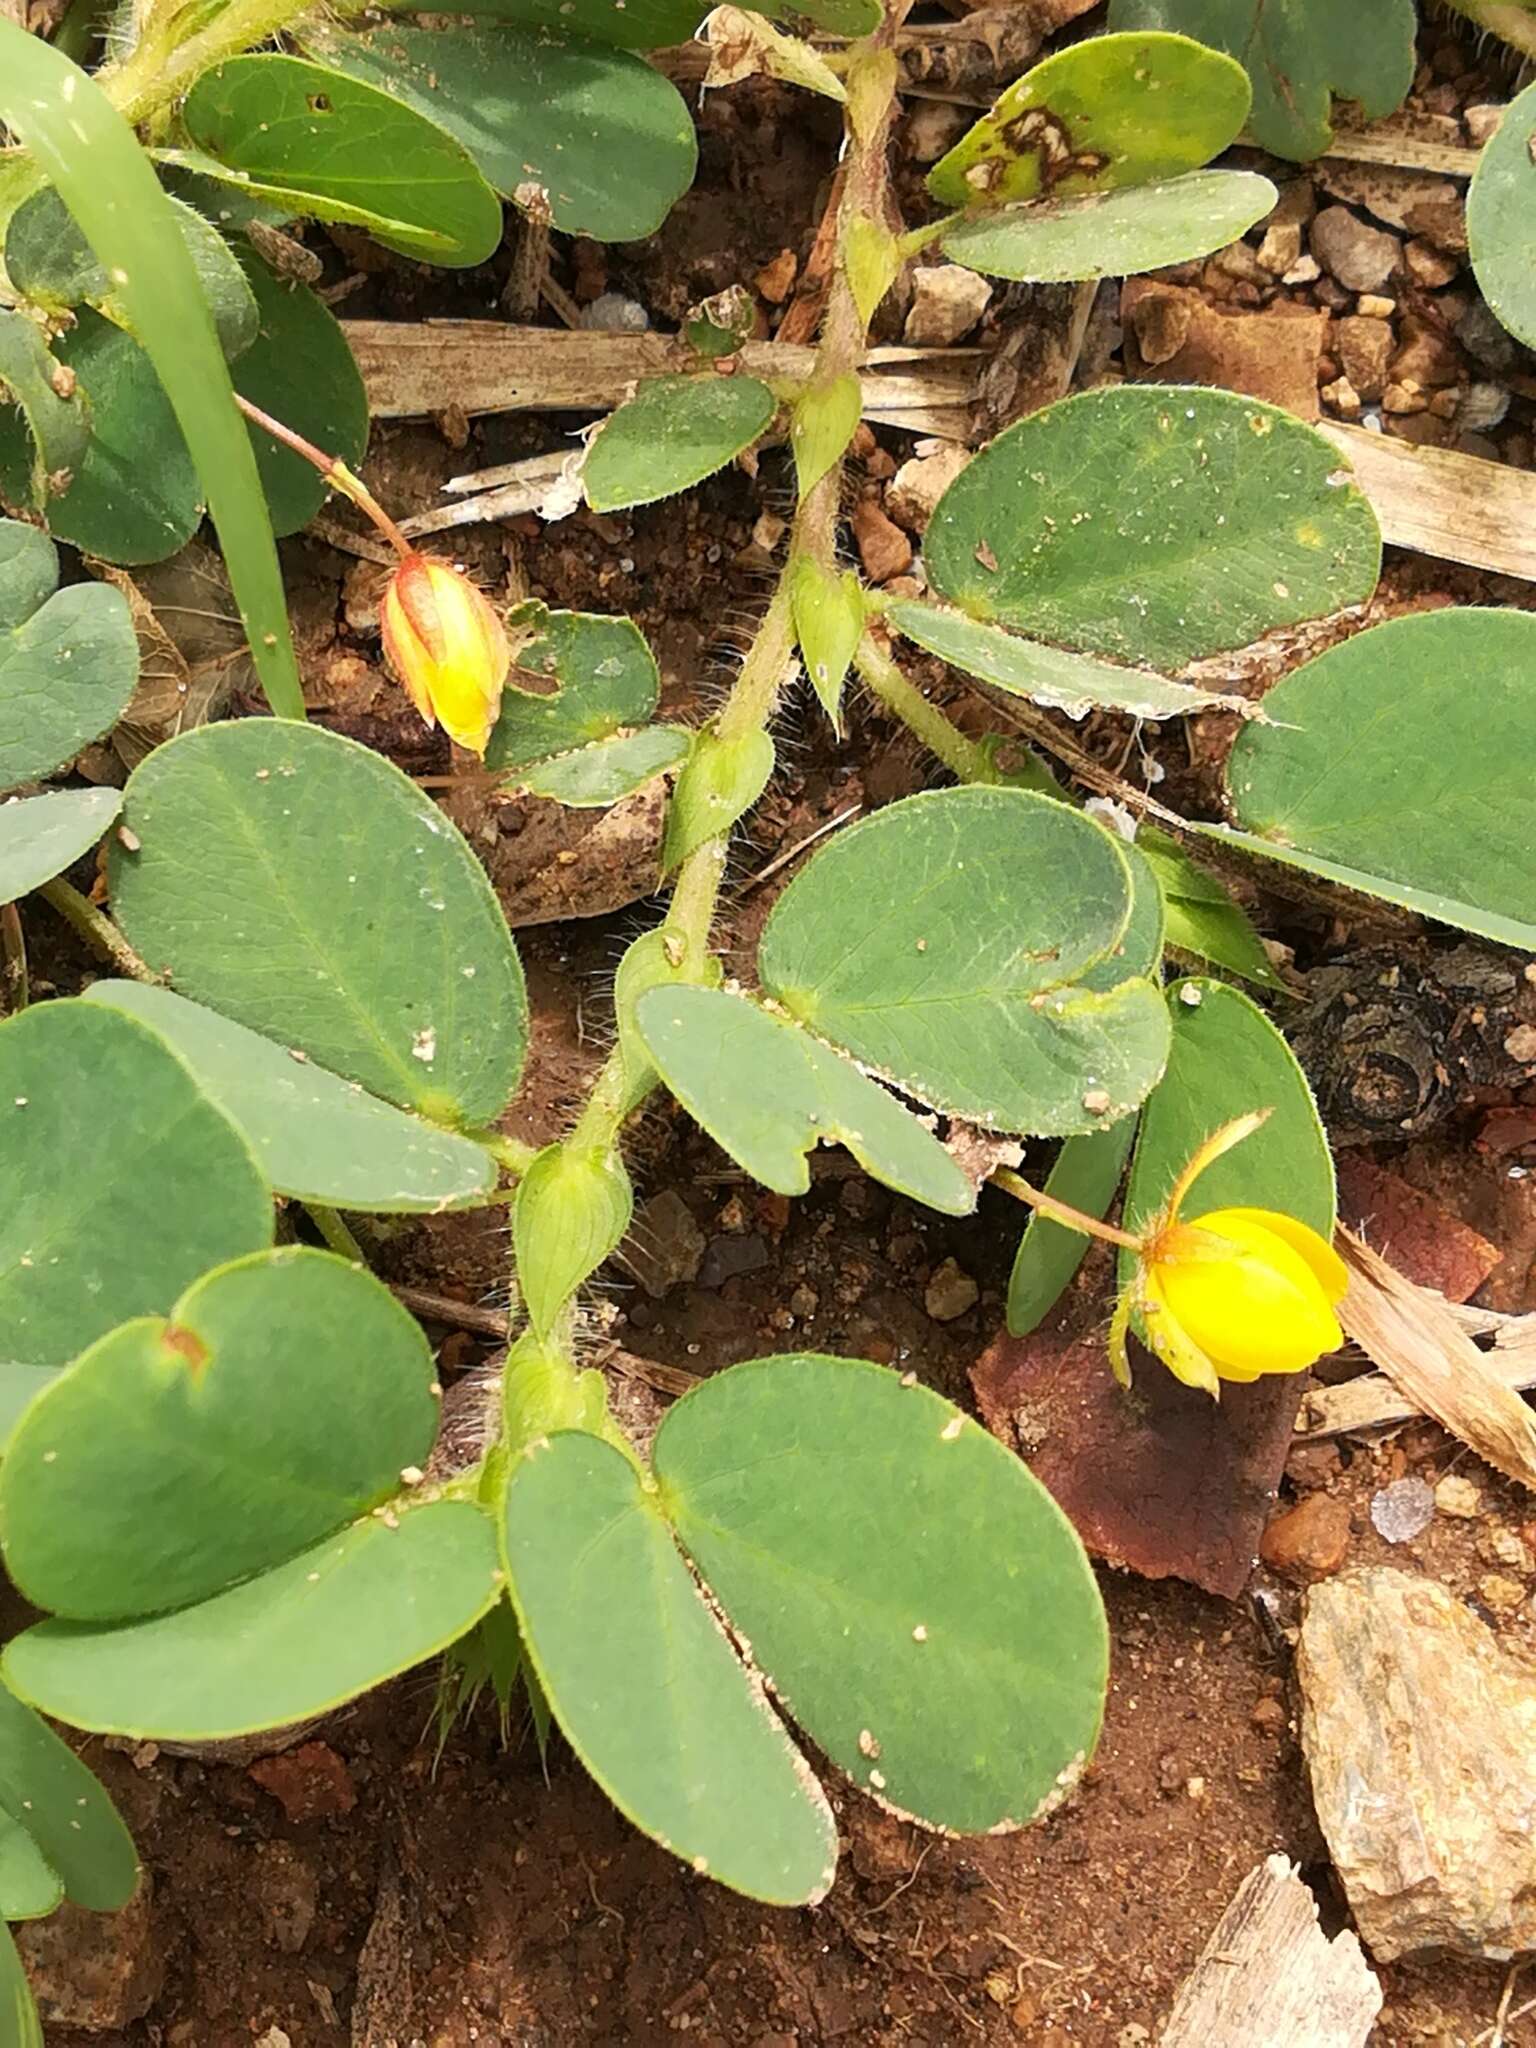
448	648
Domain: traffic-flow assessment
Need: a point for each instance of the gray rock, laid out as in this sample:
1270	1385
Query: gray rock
615	313
1485	340
665	1245
1402	1510
921	481
727	1257
1420	1734
947	301
1358	255
950	1293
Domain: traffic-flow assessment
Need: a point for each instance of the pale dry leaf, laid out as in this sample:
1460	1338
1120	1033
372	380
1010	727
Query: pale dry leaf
978	1153
742	45
1411	1334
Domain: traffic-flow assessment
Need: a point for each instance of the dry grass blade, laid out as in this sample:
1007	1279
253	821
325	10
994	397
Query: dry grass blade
1417	1342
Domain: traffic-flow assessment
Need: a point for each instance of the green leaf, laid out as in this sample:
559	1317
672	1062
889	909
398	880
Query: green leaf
51	263
1104	113
29	572
872	258
18	2014
219	195
1061	681
573	1207
609	770
605	682
333	1622
623	24
303	129
644	1684
135	496
1297	54
964	984
720	782
353	924
672	434
233	198
95	160
30	1887
1112	234
69	659
317	1137
1380	770
1203	921
1086	1174
592	138
821	425
1140	950
1227	1060
828	606
125	1181
1153	523
900	1577
657	959
1501	204
767	1092
43	441
20	1384
301	371
280	1401
62	1806
40	836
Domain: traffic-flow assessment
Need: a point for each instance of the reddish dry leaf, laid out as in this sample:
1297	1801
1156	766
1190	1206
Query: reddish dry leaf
1433	1363
1423	1240
1162	1479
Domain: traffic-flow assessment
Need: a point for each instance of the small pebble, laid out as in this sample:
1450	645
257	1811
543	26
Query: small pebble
1402	1510
1499	1594
1459	1497
950	1293
615	313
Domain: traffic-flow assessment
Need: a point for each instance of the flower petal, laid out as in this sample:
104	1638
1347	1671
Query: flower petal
1328	1269
447	646
1172	1343
405	652
1119	1331
1257	1307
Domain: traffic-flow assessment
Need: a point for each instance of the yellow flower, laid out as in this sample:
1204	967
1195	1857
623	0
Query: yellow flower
447	647
1233	1294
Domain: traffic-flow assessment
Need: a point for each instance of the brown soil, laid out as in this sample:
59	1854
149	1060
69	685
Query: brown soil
488	1898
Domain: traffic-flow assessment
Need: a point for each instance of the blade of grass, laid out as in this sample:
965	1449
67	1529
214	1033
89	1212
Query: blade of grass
106	181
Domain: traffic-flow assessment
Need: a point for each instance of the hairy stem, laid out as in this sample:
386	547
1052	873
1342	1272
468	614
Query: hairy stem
939	734
754	695
1062	1212
1513	20
335	472
145	85
97	929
